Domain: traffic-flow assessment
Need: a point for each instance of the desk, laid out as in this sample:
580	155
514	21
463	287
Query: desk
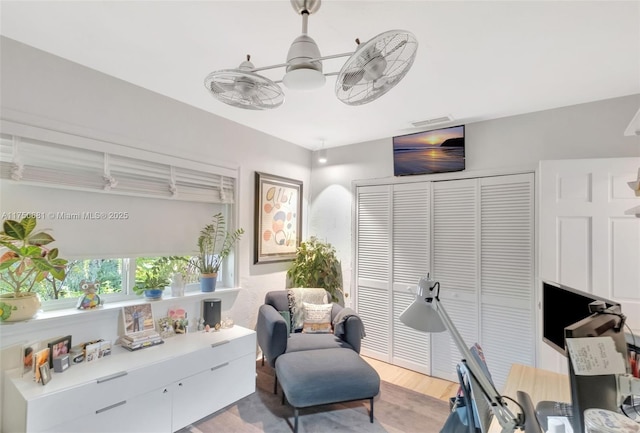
540	384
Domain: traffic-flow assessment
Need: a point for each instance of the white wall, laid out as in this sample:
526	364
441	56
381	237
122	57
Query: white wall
58	94
593	130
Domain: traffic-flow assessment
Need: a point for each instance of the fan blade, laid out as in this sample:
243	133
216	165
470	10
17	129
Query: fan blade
351	78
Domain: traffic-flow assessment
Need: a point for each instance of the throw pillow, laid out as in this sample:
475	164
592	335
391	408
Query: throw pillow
287	319
296	296
317	318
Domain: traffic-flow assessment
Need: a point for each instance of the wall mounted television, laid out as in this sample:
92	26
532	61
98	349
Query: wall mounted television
563	306
429	152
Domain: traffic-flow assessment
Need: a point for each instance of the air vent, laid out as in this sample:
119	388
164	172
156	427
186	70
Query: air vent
433	121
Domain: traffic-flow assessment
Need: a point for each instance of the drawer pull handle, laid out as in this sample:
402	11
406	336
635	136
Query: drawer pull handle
104	409
219	366
113	376
219	343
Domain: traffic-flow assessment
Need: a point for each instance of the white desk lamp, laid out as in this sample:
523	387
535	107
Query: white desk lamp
427	314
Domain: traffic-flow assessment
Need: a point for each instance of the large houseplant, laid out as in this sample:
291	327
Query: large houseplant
316	265
25	260
214	244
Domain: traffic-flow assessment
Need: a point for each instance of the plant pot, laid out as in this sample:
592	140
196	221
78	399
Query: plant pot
208	282
24	307
153	294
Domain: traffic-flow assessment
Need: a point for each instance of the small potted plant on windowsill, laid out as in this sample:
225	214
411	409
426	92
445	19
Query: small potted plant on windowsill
24	261
214	244
152	278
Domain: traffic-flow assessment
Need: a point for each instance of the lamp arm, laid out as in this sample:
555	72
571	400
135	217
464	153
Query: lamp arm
508	421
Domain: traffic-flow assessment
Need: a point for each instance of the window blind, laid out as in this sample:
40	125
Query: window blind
45	163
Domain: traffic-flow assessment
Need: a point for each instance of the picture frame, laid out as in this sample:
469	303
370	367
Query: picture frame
59	347
45	374
278	218
27	356
40	358
138	318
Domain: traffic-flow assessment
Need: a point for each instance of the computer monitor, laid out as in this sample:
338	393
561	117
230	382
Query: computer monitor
596	391
561	307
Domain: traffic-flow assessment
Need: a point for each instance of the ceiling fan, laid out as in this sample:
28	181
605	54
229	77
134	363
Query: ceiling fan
371	71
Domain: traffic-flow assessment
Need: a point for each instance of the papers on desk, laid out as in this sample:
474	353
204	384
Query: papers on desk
595	356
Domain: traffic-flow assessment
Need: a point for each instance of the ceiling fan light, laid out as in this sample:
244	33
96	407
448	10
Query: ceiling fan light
304	79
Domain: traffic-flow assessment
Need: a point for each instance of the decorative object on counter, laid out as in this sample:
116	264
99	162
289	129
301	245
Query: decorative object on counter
140	340
91	352
278	218
316	265
179	320
45	374
28	354
90	299
26	260
215	244
77	354
212	311
59	347
40	358
227	323
165	327
138	318
61	363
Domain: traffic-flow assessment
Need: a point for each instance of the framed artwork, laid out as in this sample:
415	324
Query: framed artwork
59	347
278	218
138	318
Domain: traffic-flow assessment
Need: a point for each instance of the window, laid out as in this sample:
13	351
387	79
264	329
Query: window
107	204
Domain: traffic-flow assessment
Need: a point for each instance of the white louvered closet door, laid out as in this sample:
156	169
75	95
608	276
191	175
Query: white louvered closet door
373	268
411	207
507	270
455	266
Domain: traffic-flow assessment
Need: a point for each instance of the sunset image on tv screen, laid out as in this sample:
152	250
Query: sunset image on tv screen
437	151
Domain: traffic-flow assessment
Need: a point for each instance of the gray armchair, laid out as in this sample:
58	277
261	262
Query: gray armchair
274	340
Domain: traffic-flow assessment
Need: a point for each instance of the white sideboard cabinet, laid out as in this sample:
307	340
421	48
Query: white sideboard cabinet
158	389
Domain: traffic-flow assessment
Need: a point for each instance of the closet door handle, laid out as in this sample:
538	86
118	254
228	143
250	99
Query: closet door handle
104	409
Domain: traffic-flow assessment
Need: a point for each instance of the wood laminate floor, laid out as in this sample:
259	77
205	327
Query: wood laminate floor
434	387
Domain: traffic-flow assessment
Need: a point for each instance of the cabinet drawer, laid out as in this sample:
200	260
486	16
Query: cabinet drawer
90	397
220	385
217	353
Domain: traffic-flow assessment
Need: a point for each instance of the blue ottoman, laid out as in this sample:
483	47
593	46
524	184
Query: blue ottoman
325	376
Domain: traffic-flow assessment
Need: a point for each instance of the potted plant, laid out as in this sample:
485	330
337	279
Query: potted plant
214	244
153	277
24	261
316	265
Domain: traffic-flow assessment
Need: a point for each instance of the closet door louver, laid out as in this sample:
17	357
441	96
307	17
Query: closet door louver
455	266
507	273
373	258
410	348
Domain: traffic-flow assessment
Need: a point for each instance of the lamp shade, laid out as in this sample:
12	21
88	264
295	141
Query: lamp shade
423	316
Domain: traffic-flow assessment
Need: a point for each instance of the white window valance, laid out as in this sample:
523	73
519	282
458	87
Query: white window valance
80	163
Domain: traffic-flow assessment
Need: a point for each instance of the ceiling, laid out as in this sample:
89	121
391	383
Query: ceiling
476	60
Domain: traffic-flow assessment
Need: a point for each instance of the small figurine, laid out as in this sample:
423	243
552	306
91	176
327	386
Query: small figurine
90	299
